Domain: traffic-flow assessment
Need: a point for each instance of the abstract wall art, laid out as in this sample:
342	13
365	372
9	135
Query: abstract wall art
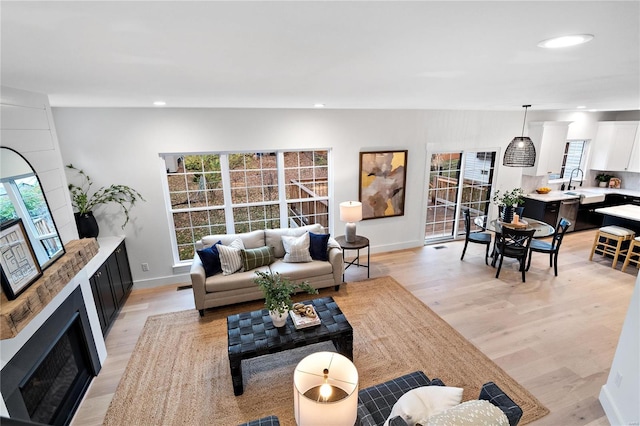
382	183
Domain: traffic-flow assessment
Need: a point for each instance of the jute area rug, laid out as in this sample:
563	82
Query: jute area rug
179	370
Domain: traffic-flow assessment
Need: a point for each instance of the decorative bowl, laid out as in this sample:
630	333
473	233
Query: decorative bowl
543	190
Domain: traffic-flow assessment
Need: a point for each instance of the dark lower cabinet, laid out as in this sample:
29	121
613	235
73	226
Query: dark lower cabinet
541	210
110	285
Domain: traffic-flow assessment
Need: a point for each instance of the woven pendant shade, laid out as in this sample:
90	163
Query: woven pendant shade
521	152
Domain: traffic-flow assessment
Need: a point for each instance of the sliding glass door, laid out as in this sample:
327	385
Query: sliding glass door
457	180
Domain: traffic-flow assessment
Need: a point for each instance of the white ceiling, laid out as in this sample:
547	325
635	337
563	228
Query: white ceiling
423	54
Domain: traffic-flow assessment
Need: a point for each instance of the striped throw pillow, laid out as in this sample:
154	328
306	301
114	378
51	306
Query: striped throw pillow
254	258
231	257
296	248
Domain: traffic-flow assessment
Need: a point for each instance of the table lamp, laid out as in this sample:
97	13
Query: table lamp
325	390
350	212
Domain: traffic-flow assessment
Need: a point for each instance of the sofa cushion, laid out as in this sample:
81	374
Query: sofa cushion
301	271
470	413
237	281
273	237
231	257
253	239
318	246
210	260
421	403
253	258
296	248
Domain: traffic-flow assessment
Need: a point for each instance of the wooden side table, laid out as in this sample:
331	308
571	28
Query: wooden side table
360	243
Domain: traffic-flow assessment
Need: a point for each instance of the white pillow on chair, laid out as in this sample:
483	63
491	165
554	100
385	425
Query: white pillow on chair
420	403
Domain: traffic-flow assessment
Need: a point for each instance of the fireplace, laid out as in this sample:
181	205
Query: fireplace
46	380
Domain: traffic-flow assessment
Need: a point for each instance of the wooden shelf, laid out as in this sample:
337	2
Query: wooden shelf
16	314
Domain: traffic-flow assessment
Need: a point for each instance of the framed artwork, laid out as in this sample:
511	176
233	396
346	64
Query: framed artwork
383	176
18	262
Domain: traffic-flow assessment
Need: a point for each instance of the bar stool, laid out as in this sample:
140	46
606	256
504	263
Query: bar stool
635	243
609	235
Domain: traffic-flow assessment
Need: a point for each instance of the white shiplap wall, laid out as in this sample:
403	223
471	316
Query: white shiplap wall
27	127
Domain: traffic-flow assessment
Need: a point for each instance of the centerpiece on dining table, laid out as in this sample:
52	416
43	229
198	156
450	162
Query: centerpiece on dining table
507	203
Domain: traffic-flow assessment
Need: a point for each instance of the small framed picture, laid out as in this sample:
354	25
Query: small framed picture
382	183
18	262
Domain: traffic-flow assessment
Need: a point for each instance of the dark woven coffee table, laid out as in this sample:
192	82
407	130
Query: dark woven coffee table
252	334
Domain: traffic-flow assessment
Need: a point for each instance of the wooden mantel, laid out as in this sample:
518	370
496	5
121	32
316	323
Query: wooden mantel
16	314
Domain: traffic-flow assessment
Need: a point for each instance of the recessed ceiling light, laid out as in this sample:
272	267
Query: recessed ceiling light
581	107
318	105
565	41
159	103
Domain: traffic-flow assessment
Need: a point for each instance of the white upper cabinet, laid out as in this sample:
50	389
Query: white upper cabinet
634	160
615	145
550	140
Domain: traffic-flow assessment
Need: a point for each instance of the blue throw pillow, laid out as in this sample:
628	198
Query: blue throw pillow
318	246
210	259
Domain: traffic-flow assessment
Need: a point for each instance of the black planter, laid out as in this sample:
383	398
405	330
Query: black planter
87	225
507	214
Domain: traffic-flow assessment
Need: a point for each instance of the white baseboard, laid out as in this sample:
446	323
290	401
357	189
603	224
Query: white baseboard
160	281
610	407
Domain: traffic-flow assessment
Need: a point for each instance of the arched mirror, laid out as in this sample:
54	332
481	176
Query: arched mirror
22	200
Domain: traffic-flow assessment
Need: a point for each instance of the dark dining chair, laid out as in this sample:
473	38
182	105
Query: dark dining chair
513	243
553	247
494	253
474	237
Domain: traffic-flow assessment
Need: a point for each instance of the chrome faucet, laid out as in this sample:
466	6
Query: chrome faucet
571	177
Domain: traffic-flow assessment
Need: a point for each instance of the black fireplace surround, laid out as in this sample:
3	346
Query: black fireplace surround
46	380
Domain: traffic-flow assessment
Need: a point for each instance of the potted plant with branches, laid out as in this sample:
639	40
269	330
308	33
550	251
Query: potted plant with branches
277	294
507	202
84	201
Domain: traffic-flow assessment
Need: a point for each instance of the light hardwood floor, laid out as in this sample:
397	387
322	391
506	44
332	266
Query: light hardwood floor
555	335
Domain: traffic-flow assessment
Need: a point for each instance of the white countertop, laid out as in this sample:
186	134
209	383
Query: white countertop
626	211
561	195
107	246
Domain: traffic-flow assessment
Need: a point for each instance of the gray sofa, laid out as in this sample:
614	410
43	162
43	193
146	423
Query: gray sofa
220	290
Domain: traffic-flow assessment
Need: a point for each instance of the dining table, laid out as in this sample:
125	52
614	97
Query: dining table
542	229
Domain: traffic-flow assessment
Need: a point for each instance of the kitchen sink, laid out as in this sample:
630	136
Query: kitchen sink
587	197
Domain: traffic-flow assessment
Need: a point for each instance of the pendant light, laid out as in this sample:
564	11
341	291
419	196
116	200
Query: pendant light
521	152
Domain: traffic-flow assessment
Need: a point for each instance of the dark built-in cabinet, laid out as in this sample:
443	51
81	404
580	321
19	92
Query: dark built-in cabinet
587	217
111	284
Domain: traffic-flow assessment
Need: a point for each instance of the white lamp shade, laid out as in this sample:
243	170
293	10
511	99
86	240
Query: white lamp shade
351	211
309	374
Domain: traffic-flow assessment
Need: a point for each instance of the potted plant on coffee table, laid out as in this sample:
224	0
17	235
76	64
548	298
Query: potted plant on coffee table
84	201
508	200
277	294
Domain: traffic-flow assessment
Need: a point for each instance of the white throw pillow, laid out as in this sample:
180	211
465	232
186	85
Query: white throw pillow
471	413
420	403
231	257
296	248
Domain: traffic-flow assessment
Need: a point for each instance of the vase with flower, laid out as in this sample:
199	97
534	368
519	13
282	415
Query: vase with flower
508	202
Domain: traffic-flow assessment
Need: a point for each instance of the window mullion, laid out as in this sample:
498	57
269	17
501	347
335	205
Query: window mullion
284	209
226	193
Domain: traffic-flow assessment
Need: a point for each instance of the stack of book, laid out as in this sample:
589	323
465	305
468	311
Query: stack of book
303	320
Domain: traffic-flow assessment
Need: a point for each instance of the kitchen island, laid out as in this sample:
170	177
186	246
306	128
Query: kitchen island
626	215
